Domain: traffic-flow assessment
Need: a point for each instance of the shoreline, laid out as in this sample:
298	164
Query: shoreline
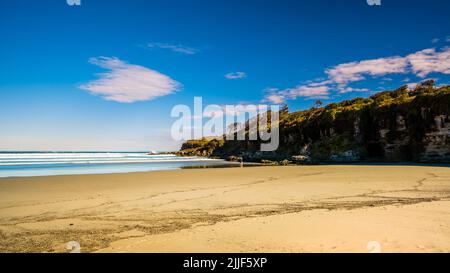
39	164
258	209
232	164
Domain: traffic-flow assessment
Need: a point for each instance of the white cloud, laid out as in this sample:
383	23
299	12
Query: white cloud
347	89
308	91
421	64
277	99
356	71
319	83
129	83
175	48
235	75
412	85
430	61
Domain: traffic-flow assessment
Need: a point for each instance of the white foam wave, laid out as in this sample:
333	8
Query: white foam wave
28	159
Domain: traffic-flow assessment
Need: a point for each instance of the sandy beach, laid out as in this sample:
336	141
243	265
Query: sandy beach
252	209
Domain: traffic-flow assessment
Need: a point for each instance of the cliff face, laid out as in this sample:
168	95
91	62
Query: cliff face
437	141
404	143
399	125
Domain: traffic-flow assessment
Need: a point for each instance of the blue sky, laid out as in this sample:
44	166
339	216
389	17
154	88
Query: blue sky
105	75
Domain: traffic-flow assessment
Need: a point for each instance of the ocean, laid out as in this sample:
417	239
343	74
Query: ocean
19	164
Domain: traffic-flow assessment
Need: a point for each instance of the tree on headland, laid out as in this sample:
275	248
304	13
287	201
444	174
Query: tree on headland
318	103
424	87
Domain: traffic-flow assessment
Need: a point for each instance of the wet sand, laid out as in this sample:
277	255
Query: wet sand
257	209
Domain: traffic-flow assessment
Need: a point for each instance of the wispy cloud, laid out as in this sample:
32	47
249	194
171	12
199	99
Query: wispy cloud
435	40
274	98
412	85
235	75
421	64
173	47
308	91
357	71
441	39
347	89
429	61
128	83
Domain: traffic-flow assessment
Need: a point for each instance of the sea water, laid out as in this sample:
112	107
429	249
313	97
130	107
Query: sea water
14	164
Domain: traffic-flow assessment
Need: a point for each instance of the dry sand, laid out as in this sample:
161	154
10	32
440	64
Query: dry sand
255	209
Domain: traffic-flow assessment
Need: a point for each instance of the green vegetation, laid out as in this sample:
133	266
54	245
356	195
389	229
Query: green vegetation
388	126
200	147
